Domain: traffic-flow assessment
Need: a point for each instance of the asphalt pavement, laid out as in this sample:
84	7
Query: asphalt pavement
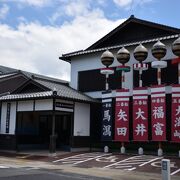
44	174
83	165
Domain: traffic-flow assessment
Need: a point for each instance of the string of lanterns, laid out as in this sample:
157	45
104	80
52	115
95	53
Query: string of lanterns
140	54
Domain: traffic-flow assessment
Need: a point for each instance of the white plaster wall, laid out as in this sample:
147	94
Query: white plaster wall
92	61
45	104
25	106
81	119
12	122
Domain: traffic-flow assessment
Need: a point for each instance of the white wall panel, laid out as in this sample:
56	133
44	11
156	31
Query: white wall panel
82	119
25	106
45	104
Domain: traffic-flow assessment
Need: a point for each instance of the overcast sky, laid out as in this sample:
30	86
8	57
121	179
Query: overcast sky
34	33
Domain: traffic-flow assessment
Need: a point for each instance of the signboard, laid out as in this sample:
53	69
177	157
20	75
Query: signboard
158	113
67	107
164	165
175	116
140	114
122	116
106	132
8	117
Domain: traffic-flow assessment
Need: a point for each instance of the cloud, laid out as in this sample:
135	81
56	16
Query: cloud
130	4
22	19
4	11
123	3
36	48
38	3
71	8
35	3
77	8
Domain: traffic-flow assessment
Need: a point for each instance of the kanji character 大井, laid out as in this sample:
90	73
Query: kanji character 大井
139	114
140	129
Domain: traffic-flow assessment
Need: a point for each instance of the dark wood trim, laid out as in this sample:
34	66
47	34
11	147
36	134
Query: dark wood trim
16	143
90	124
72	125
0	114
17	106
34	104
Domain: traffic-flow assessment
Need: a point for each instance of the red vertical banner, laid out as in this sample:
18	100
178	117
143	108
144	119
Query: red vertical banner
158	113
140	114
175	116
122	116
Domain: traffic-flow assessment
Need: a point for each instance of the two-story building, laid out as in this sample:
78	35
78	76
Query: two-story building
86	76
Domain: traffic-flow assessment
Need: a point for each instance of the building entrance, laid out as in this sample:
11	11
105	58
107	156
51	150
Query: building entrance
33	130
63	131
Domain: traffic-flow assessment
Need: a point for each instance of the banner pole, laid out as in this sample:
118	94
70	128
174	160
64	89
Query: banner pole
123	79
178	73
107	84
159	76
140	77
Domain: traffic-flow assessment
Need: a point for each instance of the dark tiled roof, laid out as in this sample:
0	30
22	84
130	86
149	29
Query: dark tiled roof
112	40
65	91
164	29
39	76
7	75
26	95
62	88
5	70
68	56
